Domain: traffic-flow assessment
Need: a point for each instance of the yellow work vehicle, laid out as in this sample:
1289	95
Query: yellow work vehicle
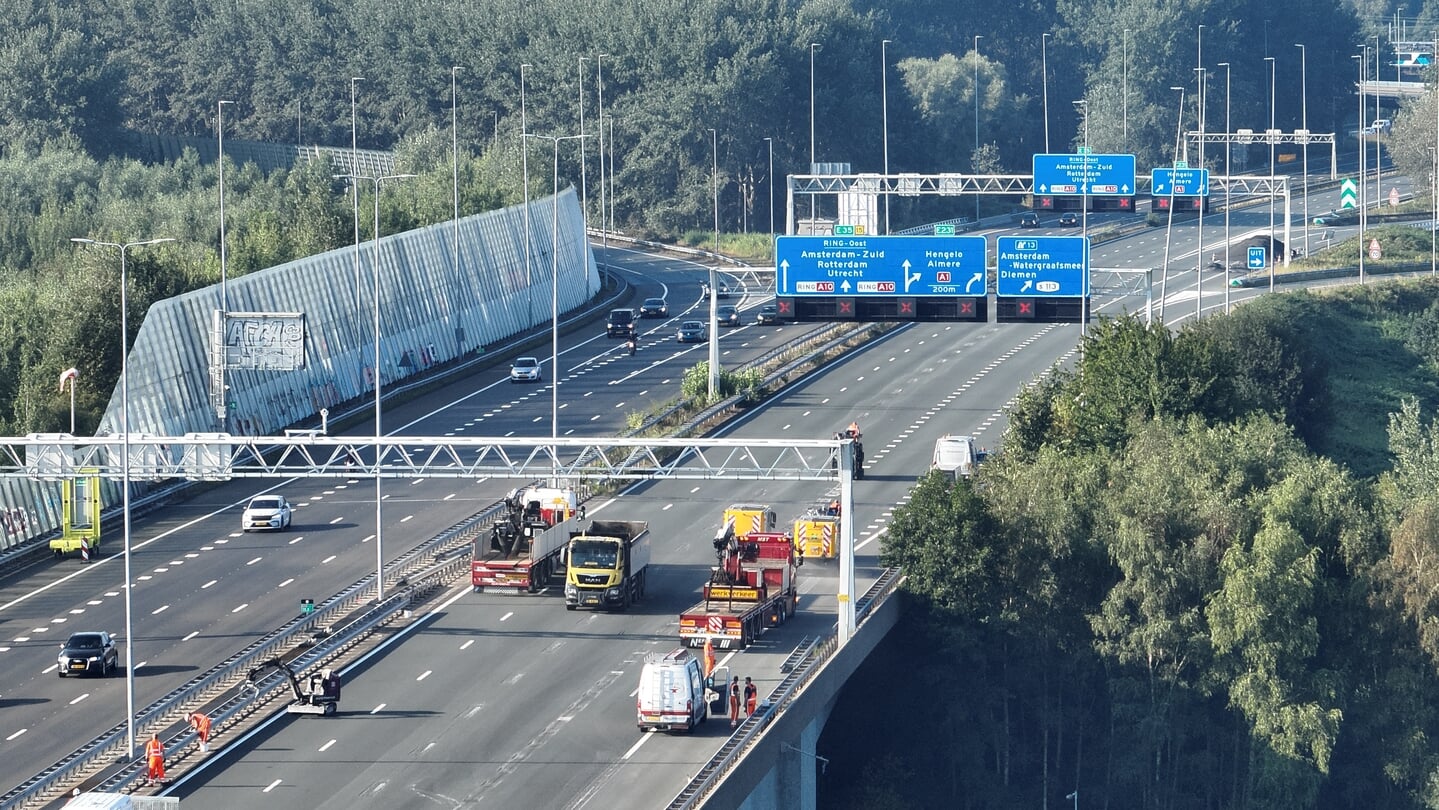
749	518
816	536
80	516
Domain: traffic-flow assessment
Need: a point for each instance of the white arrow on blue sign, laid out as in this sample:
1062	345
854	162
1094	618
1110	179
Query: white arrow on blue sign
1097	175
1258	259
1179	182
1042	266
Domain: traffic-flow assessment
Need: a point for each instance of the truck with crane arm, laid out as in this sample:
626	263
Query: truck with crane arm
526	546
753	586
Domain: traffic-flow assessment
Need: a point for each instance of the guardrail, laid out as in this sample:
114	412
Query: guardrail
789	689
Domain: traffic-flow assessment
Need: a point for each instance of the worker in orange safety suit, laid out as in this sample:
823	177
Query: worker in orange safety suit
155	759
201	723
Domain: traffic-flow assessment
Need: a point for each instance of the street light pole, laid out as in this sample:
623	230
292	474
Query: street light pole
1083	104
604	232
1363	58
224	274
1304	123
1199	70
884	105
1044	80
770	143
125	474
525	179
813	217
1227	147
584	187
455	162
975	159
1125	72
1169	227
1270	137
714	275
354	190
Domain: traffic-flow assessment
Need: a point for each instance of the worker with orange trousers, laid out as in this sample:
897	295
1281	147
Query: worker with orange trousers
155	759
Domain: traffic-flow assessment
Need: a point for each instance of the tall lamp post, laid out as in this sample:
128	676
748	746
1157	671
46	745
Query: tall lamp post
1124	71
525	179
1169	227
455	160
1270	137
813	46
714	301
600	82
584	184
1044	80
1363	58
1083	106
1199	86
977	38
224	274
125	474
354	190
884	107
770	143
377	180
1227	148
1304	123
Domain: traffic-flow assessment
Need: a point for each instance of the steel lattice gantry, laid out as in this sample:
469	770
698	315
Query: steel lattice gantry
219	456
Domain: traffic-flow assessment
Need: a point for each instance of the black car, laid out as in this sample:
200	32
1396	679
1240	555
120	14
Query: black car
654	308
86	653
728	315
1029	219
691	332
769	313
621	324
1069	219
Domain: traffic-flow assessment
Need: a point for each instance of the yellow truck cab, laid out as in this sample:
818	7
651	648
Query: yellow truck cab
816	536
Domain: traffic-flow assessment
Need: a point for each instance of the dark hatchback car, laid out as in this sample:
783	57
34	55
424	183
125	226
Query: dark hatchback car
89	653
1069	219
769	313
654	308
1029	219
728	315
691	332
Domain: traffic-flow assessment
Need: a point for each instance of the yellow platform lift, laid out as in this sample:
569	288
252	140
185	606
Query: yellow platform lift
80	516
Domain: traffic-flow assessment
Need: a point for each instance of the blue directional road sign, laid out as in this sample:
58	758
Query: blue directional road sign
1097	175
1043	266
1257	258
1167	182
880	265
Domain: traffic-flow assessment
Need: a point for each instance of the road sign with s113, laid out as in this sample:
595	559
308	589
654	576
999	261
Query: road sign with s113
880	265
1042	266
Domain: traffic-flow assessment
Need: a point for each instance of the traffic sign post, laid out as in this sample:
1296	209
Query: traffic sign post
880	266
1179	182
1258	260
1042	266
1094	175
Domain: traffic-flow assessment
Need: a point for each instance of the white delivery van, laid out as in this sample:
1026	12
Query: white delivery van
672	693
956	455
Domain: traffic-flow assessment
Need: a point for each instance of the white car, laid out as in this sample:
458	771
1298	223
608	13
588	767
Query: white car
525	369
266	512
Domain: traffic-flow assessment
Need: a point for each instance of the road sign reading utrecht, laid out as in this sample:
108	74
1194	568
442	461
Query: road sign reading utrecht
1179	182
1096	175
1043	266
880	265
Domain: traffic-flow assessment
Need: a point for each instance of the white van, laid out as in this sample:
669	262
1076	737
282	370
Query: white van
672	693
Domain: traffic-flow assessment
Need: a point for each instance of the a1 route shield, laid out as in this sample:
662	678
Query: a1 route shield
879	265
1095	175
1043	266
1166	182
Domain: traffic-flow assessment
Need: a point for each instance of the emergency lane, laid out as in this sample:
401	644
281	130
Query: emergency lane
565	735
204	589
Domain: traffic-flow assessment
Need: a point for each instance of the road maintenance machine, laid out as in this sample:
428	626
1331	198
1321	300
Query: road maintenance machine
753	586
526	546
319	694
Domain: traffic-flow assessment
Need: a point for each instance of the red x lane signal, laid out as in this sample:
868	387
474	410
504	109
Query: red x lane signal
966	307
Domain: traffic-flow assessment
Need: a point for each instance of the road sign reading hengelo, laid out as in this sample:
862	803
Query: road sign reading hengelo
1098	175
879	265
1179	182
1043	266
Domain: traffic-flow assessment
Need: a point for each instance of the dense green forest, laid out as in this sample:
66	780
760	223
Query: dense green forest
1200	575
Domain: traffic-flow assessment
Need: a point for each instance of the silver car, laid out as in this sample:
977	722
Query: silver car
691	332
525	369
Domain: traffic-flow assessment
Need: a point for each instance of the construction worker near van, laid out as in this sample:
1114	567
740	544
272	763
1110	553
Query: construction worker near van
200	722
155	760
734	702
751	697
709	657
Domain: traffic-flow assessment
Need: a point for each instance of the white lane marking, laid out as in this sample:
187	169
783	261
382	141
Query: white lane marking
16	734
507	615
296	540
270	786
872	538
162	569
76	611
252	562
633	748
161	609
93	602
328	559
514	679
80	698
336	520
423	675
449	496
287	582
208	584
327	745
667	507
144	578
406	518
240	608
377	709
192	635
467	644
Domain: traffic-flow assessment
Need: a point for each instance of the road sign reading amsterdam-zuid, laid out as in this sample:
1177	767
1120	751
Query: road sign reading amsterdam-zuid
880	265
1095	175
1042	266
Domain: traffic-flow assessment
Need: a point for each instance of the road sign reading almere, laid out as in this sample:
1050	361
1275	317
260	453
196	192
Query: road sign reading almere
1179	182
1043	266
879	265
1096	175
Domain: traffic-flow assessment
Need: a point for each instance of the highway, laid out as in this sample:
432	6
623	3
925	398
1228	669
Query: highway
204	589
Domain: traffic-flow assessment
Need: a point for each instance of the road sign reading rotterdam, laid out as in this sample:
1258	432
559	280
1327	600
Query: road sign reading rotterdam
1257	258
1043	266
1348	193
880	265
1097	175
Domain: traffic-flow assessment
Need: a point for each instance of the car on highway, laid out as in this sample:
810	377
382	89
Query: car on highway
691	332
654	308
1029	219
1069	219
769	313
88	653
266	512
722	289
525	369
620	324
728	315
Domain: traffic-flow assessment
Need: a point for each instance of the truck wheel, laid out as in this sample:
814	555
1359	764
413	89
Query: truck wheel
571	607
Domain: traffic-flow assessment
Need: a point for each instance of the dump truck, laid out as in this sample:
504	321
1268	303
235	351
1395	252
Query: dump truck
606	564
956	455
753	586
749	518
524	548
816	535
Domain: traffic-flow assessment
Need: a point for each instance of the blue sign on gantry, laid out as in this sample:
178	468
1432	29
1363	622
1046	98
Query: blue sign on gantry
1043	266
1176	182
1097	175
879	265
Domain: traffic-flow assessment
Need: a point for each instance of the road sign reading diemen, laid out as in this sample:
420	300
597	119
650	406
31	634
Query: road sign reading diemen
880	265
1097	175
1043	266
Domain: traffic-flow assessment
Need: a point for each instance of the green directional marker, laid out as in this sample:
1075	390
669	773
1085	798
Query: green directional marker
1348	193
844	230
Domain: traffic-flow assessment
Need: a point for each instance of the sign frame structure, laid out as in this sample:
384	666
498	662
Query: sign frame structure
1166	181
870	266
1011	267
1084	175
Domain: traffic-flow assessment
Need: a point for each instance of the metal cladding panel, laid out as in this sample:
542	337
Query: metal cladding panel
429	309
